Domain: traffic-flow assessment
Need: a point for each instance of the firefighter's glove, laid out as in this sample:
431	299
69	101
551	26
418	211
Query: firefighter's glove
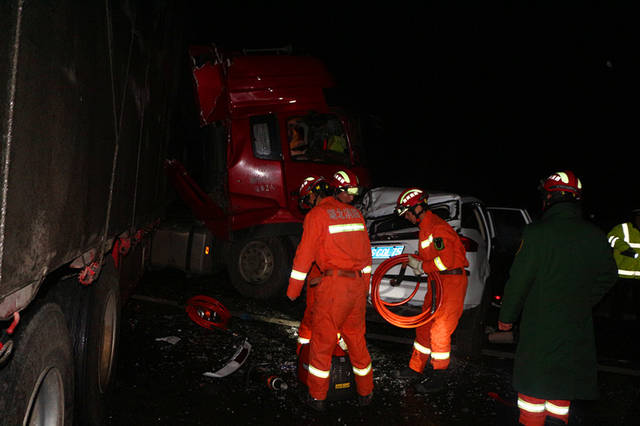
294	289
415	264
630	253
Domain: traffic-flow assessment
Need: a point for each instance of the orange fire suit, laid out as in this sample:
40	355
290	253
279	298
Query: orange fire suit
440	249
335	237
304	329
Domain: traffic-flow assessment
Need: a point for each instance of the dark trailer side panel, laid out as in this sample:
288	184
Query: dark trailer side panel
85	117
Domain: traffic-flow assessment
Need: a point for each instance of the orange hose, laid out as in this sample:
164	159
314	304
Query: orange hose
400	320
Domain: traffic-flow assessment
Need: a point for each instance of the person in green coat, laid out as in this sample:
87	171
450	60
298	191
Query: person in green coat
563	268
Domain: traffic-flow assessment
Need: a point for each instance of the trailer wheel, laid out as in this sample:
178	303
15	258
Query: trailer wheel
36	386
260	267
93	318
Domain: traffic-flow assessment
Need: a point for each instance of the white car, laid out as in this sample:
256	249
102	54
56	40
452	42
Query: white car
392	235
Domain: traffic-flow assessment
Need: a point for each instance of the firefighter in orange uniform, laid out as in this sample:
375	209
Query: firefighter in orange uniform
440	250
335	238
306	201
346	186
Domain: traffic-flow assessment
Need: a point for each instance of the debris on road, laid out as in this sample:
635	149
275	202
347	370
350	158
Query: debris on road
169	339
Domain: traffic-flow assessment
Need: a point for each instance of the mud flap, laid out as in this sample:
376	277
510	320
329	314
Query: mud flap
234	363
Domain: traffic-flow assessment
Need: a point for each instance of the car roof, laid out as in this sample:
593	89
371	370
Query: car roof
381	201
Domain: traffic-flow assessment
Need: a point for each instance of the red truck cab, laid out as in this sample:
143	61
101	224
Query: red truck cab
274	128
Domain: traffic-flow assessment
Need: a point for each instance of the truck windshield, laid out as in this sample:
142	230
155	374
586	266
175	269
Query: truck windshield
319	138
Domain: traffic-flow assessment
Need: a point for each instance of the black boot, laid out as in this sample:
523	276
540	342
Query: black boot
363	401
553	421
434	382
311	402
407	374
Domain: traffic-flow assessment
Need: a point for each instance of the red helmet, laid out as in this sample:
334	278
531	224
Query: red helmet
409	199
312	184
346	180
564	182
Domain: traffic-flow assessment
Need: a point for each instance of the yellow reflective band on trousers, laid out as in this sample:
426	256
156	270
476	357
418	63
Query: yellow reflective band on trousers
303	341
323	374
438	262
440	355
556	409
297	275
366	270
530	407
362	371
423	350
346	227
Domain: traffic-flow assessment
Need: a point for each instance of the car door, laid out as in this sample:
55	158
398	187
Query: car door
508	224
476	234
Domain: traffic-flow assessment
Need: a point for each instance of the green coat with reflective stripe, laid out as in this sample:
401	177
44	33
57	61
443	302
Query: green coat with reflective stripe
625	238
561	271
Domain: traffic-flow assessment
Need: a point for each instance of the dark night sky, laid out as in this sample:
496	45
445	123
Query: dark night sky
478	99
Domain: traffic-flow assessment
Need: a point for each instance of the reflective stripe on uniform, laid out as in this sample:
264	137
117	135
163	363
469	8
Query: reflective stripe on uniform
346	227
613	240
625	232
438	262
440	355
556	409
297	275
323	374
426	243
626	273
423	350
303	340
627	238
366	269
362	371
530	407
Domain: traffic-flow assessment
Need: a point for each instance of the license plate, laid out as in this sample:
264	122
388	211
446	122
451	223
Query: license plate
385	252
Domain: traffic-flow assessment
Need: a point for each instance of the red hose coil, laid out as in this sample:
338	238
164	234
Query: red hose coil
382	306
207	312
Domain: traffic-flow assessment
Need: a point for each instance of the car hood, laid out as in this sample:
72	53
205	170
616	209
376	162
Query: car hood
381	201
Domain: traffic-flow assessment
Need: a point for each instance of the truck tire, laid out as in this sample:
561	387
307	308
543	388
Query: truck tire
259	267
93	318
470	334
36	384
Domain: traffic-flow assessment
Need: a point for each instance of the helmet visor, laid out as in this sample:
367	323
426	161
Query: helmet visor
354	190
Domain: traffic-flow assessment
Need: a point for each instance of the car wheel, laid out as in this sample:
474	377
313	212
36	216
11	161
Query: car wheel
260	267
36	385
470	334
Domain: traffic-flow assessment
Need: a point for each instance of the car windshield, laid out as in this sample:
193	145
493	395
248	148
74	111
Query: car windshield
319	138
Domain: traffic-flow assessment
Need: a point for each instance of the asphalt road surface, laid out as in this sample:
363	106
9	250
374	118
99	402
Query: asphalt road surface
163	355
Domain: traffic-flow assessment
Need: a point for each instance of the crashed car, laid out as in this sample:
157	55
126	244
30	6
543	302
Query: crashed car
391	235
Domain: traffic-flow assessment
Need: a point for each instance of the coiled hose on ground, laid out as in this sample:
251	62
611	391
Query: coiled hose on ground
434	294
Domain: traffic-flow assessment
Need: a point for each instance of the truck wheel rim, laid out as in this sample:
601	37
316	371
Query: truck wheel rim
107	343
256	262
46	406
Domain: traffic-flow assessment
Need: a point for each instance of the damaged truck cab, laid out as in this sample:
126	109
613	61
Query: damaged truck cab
267	125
